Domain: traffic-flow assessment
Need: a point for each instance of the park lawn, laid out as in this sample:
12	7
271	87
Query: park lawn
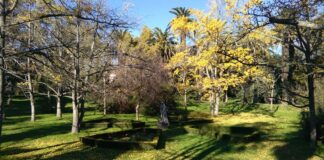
49	138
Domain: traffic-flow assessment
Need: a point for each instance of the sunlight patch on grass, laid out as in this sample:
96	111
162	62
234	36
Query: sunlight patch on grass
230	120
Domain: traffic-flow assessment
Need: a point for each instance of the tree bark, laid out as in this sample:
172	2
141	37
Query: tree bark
271	96
2	65
183	41
59	103
31	92
105	97
75	114
185	99
212	103
81	115
105	105
255	95
75	101
76	77
58	107
291	84
225	96
75	104
137	111
217	100
29	80
245	100
311	100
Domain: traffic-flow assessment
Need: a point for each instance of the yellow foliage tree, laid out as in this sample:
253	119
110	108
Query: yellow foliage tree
218	62
180	65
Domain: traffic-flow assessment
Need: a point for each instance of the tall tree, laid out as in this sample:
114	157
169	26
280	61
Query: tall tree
181	26
5	10
179	22
220	60
165	43
302	19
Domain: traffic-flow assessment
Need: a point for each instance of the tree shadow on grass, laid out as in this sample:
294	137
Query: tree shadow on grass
24	149
69	150
88	153
219	147
236	139
236	106
15	120
297	146
209	148
173	132
20	106
36	132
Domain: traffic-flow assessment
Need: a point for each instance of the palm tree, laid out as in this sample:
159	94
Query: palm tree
165	41
122	39
119	34
182	12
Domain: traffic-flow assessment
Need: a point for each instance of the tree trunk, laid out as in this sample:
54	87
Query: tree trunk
60	88
31	94
311	100
137	111
185	99
76	77
105	97
245	100
312	114
32	105
2	65
291	83
59	103
29	80
30	91
217	100
81	113
75	107
183	41
212	103
58	107
105	105
183	48
225	96
255	95
75	120
184	79
271	96
310	79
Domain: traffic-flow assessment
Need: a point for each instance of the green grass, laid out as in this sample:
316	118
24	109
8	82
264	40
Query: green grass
50	138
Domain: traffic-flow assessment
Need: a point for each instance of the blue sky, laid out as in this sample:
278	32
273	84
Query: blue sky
155	13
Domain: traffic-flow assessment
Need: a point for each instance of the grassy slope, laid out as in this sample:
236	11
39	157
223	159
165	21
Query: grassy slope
49	138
